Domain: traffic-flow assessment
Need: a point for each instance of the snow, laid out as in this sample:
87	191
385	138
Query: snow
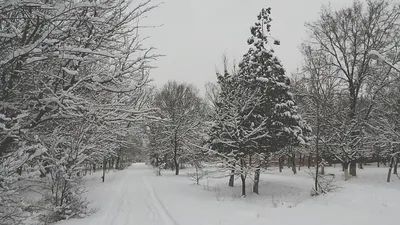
34	59
137	196
127	197
71	72
376	55
89	51
262	79
7	35
91	4
69	56
4	117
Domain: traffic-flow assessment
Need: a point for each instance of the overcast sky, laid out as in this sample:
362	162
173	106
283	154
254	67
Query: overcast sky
196	33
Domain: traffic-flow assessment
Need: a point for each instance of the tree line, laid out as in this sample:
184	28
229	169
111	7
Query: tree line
76	98
341	107
73	91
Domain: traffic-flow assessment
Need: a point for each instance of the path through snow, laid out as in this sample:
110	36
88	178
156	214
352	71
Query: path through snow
135	196
128	199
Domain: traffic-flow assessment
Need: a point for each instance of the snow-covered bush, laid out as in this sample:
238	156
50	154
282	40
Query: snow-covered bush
12	182
198	173
63	185
10	208
325	183
65	198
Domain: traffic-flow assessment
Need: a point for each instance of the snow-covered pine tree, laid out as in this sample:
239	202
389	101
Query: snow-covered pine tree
260	69
226	84
234	133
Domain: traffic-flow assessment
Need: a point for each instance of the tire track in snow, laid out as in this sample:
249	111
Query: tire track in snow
151	211
159	206
122	188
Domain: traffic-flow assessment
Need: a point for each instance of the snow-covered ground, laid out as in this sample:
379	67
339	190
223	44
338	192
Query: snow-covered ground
136	196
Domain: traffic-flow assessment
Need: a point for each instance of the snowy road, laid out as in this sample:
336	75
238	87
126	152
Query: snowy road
129	200
135	201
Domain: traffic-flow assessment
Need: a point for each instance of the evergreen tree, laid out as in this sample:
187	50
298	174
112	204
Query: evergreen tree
234	133
255	111
263	71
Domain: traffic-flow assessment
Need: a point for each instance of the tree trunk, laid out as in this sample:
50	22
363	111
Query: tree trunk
299	161
86	169
360	166
117	166
158	166
293	158
19	171
176	166
346	170
232	176
176	163
197	174
243	178
289	164
390	169
378	164
256	180
309	161
231	179
280	164
395	165
353	168
4	145
159	171
94	167
104	169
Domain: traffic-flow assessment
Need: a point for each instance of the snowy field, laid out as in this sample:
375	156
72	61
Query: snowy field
136	196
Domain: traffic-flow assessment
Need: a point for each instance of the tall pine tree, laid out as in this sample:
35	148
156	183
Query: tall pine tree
234	133
261	70
255	112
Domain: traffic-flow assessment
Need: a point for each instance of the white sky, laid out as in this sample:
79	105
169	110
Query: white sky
196	33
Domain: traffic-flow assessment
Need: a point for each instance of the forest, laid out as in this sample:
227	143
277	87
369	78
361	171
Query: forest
77	100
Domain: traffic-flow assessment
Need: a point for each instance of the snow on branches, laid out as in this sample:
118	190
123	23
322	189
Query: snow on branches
74	80
256	113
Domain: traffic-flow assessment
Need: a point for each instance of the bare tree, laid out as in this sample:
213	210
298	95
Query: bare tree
183	111
345	37
212	93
